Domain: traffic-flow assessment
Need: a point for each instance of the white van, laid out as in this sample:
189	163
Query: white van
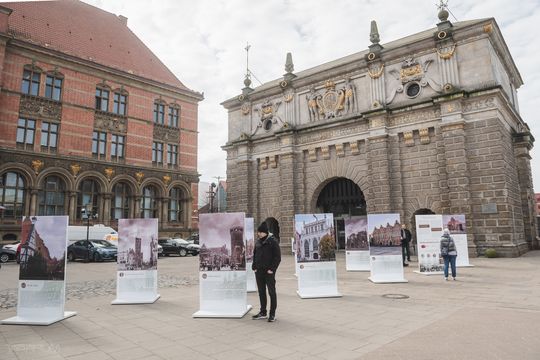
98	231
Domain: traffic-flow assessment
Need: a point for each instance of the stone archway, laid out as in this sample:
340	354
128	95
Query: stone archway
343	198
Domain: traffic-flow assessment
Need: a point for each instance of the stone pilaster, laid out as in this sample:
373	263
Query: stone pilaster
379	193
106	219
33	201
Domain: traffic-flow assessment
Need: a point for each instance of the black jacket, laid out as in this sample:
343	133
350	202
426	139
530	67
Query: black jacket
408	236
266	255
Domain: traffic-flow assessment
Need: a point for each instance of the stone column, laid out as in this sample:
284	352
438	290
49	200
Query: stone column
164	218
106	202
287	175
137	208
72	206
379	193
33	201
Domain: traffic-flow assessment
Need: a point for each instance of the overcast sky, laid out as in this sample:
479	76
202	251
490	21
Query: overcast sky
203	42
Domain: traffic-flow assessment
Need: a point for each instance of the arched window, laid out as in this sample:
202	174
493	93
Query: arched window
306	249
315	245
175	205
120	203
149	208
88	194
12	195
51	198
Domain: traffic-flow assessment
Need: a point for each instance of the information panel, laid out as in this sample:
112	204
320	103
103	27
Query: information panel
428	236
356	244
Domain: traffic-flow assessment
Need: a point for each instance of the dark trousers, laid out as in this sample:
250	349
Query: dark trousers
405	249
265	280
452	260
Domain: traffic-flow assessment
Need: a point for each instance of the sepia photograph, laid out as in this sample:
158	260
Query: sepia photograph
137	244
250	239
222	242
455	223
43	248
315	239
384	234
356	237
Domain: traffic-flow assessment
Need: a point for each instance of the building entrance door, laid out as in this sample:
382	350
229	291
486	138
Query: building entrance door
343	198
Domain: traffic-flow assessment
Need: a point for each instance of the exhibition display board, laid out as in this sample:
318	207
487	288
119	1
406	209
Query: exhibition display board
137	276
316	256
42	272
428	237
458	231
356	244
251	237
384	234
222	266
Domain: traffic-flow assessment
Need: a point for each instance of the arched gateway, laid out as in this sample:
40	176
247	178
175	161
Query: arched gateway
343	198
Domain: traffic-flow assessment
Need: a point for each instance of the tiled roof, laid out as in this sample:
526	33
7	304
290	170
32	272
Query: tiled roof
78	29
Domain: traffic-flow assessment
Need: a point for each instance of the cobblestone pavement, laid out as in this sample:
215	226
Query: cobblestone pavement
491	312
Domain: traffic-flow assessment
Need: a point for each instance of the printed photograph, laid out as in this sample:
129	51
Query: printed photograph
43	248
356	237
455	223
315	239
137	244
384	234
250	239
221	238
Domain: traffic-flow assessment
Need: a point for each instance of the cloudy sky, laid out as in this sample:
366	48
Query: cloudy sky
214	229
53	231
203	42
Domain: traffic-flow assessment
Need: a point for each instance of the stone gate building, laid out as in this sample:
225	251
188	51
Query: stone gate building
426	124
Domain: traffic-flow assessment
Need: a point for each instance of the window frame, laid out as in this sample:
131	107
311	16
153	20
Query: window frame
157	153
100	99
174	116
177	199
118	103
26	130
49	134
159	113
59	191
98	143
116	154
17	207
53	86
172	154
31	81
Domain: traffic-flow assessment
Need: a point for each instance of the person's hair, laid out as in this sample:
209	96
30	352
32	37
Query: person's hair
446	231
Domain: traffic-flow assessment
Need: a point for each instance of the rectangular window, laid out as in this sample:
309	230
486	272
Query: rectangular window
172	155
26	129
49	136
99	142
119	103
102	99
159	113
117	147
173	116
157	153
53	87
30	82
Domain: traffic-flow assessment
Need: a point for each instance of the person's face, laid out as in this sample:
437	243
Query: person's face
403	226
261	234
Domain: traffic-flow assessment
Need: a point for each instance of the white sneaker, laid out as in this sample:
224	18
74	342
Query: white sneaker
446	278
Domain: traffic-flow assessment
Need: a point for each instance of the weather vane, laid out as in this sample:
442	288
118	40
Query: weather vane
442	4
247	57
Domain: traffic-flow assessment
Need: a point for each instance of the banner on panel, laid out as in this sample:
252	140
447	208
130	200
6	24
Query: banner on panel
137	277
458	231
222	266
42	271
428	236
316	256
251	283
356	244
386	259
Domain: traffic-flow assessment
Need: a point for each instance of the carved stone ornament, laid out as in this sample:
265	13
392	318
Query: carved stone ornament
375	72
75	168
273	161
246	109
268	116
408	137
264	163
139	176
33	106
412	73
37	165
446	54
166	134
288	96
424	136
109	172
166	179
110	123
331	103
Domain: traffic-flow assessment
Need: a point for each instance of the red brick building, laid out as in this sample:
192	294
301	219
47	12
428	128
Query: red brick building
91	118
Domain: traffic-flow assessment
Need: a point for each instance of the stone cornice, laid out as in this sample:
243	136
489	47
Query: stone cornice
189	95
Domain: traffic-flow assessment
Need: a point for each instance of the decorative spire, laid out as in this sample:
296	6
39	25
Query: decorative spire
289	68
374	34
443	12
247	80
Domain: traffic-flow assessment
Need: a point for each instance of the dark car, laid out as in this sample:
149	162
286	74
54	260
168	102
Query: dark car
193	238
9	252
95	250
178	247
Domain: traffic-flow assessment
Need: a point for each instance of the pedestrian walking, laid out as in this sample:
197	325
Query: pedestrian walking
449	253
405	243
266	259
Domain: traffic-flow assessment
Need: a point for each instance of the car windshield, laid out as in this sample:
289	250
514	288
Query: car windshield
102	244
181	241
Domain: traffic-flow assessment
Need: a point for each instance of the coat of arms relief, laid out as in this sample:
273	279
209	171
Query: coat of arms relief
330	103
411	78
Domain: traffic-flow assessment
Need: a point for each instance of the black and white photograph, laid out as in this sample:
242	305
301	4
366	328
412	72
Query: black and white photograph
43	248
384	232
137	244
356	237
316	240
221	238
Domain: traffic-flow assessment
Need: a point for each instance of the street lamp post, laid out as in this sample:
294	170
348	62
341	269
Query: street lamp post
87	214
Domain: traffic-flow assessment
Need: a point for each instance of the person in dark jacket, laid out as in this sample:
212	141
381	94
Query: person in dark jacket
266	259
405	242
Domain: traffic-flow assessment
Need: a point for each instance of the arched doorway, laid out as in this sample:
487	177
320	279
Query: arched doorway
273	227
413	226
343	198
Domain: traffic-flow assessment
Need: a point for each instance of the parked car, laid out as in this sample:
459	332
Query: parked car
193	238
97	250
178	247
159	250
9	252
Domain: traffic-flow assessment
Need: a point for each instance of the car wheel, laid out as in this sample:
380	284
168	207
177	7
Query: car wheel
4	258
182	252
71	256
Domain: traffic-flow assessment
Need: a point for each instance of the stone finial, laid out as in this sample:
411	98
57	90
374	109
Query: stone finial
289	66
443	15
374	34
247	80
